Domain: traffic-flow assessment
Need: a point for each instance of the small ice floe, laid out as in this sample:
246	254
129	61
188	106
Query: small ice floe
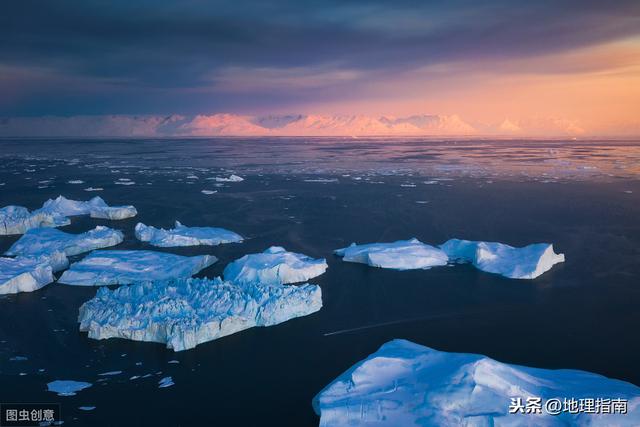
183	313
232	178
408	185
124	181
209	192
422	202
119	267
401	255
406	384
628	191
86	408
274	266
165	382
192	177
18	359
75	181
28	274
431	182
18	219
174	361
185	236
527	262
40	241
109	374
94	189
67	387
322	180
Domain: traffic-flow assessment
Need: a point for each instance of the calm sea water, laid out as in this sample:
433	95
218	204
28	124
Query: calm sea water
313	196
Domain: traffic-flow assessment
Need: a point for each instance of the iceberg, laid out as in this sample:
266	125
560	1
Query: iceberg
95	207
527	262
232	178
274	266
67	387
28	274
406	384
40	241
400	255
185	236
121	267
113	212
18	219
184	313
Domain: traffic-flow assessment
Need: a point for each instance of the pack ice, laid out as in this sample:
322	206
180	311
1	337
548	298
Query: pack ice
401	255
27	274
96	208
46	240
406	384
183	313
527	262
18	219
120	267
274	266
185	236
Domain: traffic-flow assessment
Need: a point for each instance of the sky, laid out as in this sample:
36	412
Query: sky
489	62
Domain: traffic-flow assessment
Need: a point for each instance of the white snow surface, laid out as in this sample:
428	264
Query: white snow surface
185	236
406	384
67	387
18	219
40	241
400	255
28	274
123	267
274	266
183	313
527	262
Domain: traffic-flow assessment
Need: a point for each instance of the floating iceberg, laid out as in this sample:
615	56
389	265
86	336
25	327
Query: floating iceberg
40	241
232	178
117	267
114	212
400	255
28	274
186	312
527	262
406	384
185	236
274	266
18	219
67	387
96	208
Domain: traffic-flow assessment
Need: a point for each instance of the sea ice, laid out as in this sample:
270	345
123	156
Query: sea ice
274	266
46	240
119	267
185	236
406	384
232	178
28	274
67	387
527	262
183	313
18	219
400	255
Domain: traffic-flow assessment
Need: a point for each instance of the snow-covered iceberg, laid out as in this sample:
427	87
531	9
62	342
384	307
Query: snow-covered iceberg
274	266
185	236
231	178
183	313
400	255
96	208
47	240
18	219
113	212
527	262
119	267
406	384
27	274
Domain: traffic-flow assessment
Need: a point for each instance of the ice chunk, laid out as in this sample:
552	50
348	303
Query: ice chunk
86	408
118	267
186	312
68	207
18	219
28	274
113	212
94	189
46	240
67	387
400	255
209	192
406	384
165	382
232	178
185	236
274	266
527	262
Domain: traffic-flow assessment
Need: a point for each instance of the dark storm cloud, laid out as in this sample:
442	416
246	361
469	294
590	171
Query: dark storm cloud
156	56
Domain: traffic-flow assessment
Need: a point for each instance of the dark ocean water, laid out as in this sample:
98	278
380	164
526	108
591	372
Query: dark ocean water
583	314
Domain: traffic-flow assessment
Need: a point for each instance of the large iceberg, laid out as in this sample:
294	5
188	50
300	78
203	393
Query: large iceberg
27	274
96	208
18	219
527	262
406	384
186	312
114	212
119	267
46	240
274	266
400	255
185	236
